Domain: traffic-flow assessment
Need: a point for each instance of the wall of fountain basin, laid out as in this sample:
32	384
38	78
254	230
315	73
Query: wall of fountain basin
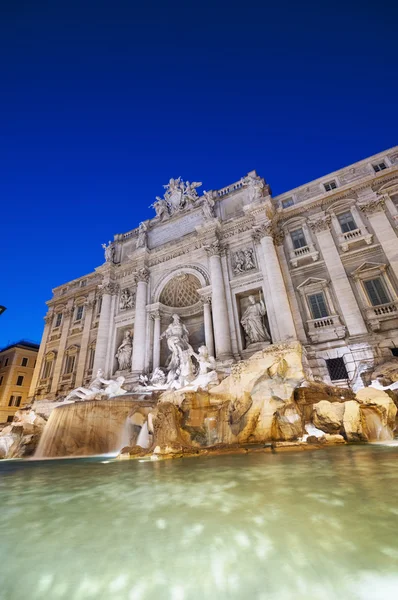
269	398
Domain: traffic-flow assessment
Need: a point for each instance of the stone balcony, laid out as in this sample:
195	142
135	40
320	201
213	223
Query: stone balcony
353	237
325	329
300	255
375	315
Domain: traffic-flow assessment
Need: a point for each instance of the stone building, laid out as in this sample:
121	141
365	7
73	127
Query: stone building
17	364
318	263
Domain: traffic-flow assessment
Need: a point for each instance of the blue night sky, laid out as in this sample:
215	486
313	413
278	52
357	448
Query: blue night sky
103	101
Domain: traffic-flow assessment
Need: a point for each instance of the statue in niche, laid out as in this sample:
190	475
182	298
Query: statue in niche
142	233
252	322
255	187
109	251
180	367
208	205
123	354
126	299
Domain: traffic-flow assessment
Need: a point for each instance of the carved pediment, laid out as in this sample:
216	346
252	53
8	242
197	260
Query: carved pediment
315	281
369	266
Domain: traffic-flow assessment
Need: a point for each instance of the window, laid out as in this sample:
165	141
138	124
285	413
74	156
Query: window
1	379
337	369
20	380
6	362
376	291
83	283
288	202
10	418
99	305
347	222
15	401
394	351
330	185
298	238
379	167
79	313
70	364
318	306
24	362
47	369
58	320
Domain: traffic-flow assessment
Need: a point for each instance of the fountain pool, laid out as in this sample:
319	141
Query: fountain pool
286	526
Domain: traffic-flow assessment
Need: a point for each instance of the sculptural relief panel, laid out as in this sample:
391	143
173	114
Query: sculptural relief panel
243	260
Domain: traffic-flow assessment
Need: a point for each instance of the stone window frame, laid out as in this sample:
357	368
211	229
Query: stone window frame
49	358
297	255
314	285
58	311
332	185
380	166
323	328
71	351
90	356
371	270
79	304
350	237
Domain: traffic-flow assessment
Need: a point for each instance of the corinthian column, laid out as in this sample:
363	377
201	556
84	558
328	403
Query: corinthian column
222	334
101	347
39	362
209	337
280	306
156	339
88	313
320	225
139	342
66	315
373	208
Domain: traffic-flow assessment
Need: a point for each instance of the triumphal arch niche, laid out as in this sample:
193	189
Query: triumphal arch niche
180	295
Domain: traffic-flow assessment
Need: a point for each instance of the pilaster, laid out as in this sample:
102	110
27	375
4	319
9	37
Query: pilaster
39	361
88	315
67	314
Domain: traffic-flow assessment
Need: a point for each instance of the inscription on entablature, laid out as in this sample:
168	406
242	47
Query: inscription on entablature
174	229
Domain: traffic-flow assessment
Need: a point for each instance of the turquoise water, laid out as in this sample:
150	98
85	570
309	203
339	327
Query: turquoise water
288	526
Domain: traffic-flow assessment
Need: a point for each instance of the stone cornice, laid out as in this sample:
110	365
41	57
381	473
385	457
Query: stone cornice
319	223
373	205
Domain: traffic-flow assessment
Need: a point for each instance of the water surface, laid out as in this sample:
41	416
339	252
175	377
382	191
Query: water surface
287	526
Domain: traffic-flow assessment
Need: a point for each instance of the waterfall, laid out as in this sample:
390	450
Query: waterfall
89	428
143	438
373	425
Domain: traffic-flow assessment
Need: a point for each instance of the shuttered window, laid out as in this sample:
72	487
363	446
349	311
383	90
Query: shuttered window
298	238
376	291
347	222
318	306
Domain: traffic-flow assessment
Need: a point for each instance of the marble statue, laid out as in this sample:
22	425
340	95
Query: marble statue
126	299
180	367
158	377
98	386
82	393
123	354
255	187
142	233
109	252
160	207
252	322
207	373
189	191
208	205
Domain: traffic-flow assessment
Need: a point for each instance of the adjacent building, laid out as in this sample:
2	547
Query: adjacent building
322	259
17	364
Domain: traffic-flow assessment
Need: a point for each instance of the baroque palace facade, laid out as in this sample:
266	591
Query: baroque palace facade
318	263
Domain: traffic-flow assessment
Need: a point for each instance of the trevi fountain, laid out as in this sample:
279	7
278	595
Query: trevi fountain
208	421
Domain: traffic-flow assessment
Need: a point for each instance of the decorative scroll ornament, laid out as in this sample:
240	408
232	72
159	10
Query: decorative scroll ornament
48	317
279	237
374	205
127	299
264	230
243	261
142	275
214	249
67	312
178	196
320	223
109	288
